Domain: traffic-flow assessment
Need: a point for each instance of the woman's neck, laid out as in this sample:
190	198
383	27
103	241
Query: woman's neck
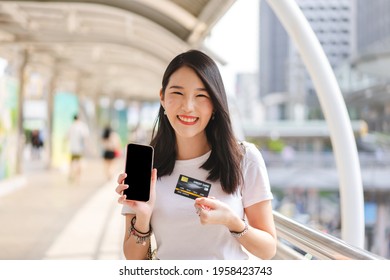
189	148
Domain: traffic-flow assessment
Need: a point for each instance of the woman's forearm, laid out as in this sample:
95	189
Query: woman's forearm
259	243
134	251
137	238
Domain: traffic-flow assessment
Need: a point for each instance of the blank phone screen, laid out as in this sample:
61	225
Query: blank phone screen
139	164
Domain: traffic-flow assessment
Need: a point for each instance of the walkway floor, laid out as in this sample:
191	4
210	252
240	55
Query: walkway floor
47	217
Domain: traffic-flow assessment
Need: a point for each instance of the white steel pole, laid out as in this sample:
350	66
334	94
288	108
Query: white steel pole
335	112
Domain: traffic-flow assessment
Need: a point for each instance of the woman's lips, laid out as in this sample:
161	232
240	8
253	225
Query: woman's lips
187	119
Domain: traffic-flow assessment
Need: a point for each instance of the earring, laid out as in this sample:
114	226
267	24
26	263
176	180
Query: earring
165	112
213	116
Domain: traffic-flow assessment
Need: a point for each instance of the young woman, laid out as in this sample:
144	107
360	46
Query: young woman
195	148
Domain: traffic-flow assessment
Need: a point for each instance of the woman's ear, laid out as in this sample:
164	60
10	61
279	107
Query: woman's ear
162	97
161	94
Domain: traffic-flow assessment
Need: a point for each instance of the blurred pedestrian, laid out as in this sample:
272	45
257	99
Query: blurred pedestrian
77	136
288	155
111	149
36	144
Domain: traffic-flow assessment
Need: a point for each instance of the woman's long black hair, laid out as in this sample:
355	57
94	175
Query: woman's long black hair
226	153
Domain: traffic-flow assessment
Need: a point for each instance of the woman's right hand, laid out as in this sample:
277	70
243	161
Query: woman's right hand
141	208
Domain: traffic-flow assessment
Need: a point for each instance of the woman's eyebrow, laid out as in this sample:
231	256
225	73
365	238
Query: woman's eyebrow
180	87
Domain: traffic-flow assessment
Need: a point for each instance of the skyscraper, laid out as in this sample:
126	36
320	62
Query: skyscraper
282	73
373	25
368	92
274	45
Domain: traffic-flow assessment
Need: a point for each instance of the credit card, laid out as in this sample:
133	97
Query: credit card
192	188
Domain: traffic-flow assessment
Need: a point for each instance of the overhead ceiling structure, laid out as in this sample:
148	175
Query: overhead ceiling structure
107	47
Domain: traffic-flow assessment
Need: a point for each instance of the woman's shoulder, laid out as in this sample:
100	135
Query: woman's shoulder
251	152
248	147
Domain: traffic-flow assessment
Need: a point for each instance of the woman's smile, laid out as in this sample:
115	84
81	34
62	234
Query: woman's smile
187	120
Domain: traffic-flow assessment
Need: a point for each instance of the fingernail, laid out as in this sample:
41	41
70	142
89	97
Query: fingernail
205	207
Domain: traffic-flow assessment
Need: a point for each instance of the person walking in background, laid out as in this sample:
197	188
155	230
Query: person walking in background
111	149
193	138
36	144
77	137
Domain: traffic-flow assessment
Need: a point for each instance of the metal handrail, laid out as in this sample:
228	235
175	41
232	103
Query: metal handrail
315	243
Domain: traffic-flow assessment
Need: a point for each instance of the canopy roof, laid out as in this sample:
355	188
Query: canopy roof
106	47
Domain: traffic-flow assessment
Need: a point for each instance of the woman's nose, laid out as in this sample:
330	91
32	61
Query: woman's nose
188	104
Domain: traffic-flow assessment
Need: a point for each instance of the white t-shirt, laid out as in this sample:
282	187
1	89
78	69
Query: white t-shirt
176	226
77	135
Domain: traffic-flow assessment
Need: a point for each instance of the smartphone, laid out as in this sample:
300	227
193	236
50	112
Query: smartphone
139	165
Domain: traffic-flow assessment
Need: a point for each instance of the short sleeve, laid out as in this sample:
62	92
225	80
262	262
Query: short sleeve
256	186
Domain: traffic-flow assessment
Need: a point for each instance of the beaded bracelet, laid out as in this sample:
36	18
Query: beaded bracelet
238	234
140	237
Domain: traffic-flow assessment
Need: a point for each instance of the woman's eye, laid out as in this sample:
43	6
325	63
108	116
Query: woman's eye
176	92
202	95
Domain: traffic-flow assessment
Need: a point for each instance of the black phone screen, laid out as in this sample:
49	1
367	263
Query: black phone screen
139	165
